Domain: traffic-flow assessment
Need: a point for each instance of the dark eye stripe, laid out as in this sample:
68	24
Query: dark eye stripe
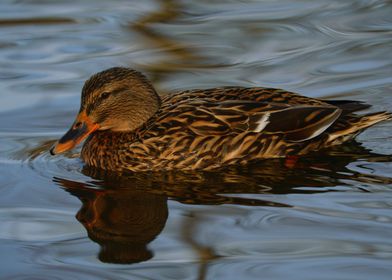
102	97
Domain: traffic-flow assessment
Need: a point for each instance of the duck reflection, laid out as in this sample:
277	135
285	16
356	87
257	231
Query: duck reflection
123	213
121	221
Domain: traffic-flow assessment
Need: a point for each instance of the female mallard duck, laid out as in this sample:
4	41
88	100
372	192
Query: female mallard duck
129	127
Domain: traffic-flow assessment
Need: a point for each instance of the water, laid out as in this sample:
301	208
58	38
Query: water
328	217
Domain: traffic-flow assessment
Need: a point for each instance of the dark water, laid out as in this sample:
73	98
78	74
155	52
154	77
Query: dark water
328	216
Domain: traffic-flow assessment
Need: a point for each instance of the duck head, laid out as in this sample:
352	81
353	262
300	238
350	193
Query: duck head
117	99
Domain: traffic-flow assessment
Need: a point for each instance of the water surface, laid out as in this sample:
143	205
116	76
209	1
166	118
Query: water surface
328	216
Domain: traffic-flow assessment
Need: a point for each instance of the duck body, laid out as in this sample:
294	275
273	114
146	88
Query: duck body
208	128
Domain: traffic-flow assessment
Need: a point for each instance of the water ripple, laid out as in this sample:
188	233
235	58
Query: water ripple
37	225
327	218
303	248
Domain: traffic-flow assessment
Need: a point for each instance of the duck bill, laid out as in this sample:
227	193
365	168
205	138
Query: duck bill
81	128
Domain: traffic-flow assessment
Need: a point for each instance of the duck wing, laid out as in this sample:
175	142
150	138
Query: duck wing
302	123
295	122
255	94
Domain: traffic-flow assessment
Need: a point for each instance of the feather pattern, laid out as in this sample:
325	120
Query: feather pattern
129	127
210	128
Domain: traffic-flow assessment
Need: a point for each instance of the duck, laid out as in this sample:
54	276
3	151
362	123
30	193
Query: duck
127	126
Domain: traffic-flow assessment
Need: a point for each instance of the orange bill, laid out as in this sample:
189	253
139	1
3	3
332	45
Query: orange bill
81	128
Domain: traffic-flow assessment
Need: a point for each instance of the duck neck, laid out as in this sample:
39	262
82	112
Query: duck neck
103	149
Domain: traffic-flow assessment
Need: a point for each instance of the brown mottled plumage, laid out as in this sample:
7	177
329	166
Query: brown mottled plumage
131	128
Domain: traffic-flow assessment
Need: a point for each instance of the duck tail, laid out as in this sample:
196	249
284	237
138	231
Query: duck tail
352	125
373	118
349	106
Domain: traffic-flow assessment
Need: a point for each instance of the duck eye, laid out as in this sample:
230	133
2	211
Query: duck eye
105	94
